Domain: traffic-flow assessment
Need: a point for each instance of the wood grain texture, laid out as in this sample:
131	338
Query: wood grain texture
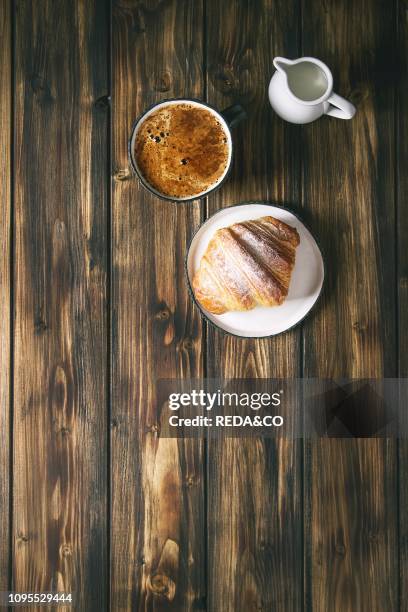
60	425
157	516
5	250
348	186
401	76
268	524
254	486
401	70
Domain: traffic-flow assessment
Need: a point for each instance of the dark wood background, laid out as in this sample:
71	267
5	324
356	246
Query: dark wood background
94	309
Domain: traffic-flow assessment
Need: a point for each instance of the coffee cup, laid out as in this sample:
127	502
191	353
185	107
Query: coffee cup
181	149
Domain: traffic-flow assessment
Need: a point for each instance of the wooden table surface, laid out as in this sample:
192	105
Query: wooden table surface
94	308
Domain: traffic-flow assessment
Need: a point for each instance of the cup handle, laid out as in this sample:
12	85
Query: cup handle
340	108
234	114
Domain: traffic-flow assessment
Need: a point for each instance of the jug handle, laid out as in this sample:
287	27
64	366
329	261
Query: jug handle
340	108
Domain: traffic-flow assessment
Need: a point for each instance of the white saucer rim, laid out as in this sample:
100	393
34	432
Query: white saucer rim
191	291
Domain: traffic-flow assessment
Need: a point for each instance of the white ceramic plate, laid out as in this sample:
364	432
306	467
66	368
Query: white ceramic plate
305	285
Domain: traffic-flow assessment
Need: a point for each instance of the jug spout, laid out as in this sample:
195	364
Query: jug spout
282	64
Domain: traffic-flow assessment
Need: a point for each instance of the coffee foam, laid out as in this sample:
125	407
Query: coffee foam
182	150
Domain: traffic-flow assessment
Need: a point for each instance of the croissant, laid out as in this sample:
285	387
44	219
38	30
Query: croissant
246	265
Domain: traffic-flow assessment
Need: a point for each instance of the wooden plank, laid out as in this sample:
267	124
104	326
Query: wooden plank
402	184
157	516
5	203
348	182
254	486
60	424
401	76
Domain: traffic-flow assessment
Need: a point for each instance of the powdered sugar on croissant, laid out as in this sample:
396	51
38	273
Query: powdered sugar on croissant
246	265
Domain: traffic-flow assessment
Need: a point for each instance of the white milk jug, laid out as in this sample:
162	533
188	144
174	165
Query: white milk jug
301	91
